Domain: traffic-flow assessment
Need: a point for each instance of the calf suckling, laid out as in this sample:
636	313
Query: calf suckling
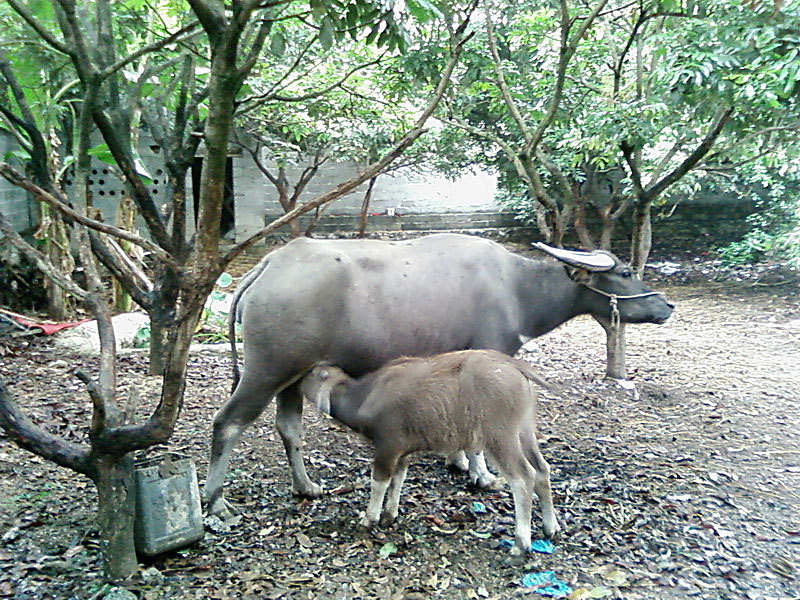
472	400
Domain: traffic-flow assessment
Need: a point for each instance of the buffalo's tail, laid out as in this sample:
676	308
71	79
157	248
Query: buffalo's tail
246	281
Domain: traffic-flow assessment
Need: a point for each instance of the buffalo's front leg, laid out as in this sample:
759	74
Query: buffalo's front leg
290	427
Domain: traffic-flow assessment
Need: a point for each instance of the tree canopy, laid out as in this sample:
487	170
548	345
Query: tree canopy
649	102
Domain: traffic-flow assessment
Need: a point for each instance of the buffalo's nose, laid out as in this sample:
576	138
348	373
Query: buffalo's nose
670	304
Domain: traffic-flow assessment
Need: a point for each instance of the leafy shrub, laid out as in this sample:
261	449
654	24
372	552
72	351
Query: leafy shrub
774	235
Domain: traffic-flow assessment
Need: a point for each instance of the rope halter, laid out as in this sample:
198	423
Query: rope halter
613	298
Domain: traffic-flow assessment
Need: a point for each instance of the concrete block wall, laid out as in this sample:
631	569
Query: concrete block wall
397	203
14	202
251	192
107	188
404	192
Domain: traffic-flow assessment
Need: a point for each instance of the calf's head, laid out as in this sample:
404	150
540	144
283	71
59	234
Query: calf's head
318	384
607	283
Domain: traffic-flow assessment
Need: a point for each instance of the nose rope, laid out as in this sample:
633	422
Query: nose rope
619	297
613	301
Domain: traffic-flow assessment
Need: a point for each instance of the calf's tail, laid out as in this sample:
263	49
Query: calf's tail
534	376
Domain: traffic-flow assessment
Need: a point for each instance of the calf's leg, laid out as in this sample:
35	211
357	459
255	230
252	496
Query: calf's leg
391	508
521	491
479	473
384	468
475	464
288	420
520	476
541	482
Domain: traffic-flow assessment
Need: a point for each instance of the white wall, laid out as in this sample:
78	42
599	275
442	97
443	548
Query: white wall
403	193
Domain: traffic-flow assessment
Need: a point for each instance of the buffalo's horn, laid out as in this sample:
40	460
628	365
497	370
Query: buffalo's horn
591	261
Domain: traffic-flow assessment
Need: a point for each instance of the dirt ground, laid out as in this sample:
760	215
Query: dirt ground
688	487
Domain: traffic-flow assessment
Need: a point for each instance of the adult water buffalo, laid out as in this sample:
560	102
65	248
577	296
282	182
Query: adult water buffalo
359	303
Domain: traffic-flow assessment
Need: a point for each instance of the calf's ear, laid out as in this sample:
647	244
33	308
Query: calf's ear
323	398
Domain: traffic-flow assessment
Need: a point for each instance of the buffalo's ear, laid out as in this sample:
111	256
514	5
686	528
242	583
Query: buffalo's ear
578	275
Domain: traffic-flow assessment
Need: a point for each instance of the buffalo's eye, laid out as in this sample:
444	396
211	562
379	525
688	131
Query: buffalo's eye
626	274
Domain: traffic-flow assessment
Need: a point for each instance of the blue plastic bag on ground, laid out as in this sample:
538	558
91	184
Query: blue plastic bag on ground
546	584
541	546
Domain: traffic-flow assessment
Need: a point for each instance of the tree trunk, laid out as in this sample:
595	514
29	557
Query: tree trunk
162	320
59	307
126	213
642	235
362	217
607	232
115	515
581	229
615	349
160	326
294	227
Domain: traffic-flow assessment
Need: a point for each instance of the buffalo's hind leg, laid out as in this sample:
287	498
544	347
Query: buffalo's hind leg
289	421
247	402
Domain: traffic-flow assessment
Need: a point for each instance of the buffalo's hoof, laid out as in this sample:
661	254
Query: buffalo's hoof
313	490
222	509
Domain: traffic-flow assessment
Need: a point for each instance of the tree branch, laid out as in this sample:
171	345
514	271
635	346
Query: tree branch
722	116
39	29
139	192
114	264
42	262
255	50
211	16
566	51
23	432
258	98
630	160
157	45
311	95
501	82
370	171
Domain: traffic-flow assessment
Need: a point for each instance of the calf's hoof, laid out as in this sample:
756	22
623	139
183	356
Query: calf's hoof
518	554
485	482
457	462
387	520
552	532
367	523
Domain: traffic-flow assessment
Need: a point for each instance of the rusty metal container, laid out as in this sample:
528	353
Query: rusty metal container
168	513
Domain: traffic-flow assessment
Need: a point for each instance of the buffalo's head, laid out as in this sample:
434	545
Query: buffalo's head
607	282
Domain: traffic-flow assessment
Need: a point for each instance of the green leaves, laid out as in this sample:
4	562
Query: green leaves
387	550
102	153
423	10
